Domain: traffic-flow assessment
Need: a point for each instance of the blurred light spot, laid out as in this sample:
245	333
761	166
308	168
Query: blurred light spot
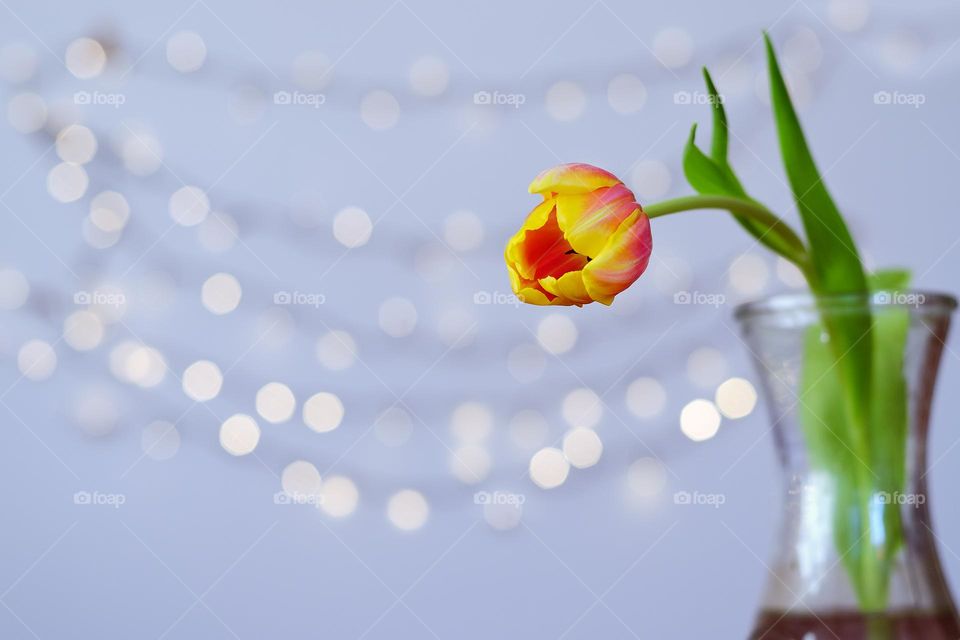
36	360
706	367
76	144
247	104
85	58
323	412
239	434
67	182
397	317
470	464
646	398
646	477
218	232
802	51
900	50
650	179
699	420
393	427
140	150
526	362
429	76
582	408
301	481
26	112
136	363
673	47
503	516
848	15
96	411
549	468
408	510
202	381
336	350
109	211
566	101
189	206
434	263
312	70
528	429
557	333
352	227
82	330
340	496
457	328
471	422
186	51
626	94
736	398
749	274
97	237
14	289
798	84
221	293
379	110
160	440
109	302
463	230
18	62
275	402
789	274
582	447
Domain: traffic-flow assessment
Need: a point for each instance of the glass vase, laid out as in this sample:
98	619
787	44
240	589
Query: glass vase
848	382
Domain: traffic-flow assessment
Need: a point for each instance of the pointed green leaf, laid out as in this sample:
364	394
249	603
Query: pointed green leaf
834	254
719	141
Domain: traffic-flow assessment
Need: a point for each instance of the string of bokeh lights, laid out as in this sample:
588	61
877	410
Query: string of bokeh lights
85	317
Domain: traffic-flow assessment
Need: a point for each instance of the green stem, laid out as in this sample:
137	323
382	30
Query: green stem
794	250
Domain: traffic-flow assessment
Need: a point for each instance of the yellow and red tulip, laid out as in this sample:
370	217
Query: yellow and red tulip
586	242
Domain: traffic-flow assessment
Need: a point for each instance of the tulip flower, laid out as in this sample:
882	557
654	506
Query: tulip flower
587	241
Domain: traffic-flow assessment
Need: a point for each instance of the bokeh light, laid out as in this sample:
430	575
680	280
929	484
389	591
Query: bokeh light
408	510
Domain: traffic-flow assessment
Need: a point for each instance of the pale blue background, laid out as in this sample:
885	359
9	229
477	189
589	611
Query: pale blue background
203	525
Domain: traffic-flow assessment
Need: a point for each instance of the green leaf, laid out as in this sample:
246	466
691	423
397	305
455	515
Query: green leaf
836	261
713	175
831	439
889	280
704	174
719	141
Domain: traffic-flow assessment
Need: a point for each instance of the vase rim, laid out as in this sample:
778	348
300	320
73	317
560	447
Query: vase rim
919	301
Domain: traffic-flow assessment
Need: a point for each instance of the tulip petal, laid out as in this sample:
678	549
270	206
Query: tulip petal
533	296
528	291
622	261
568	288
589	219
541	252
572	178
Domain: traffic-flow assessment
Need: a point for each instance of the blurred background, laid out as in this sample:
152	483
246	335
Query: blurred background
261	374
